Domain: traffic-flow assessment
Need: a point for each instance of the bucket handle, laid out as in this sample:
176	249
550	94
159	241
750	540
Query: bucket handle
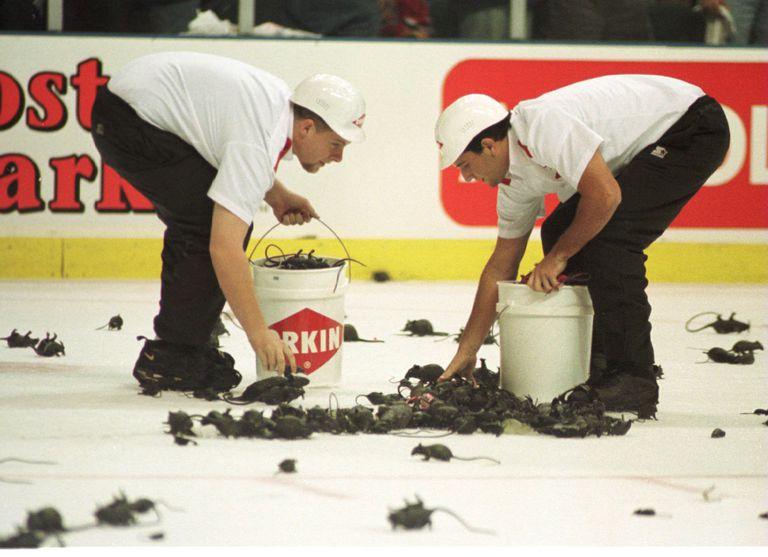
346	251
498	316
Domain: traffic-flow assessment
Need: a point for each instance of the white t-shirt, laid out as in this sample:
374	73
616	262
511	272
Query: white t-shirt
554	136
236	116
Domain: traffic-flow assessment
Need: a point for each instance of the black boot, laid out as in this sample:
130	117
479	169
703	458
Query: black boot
625	392
177	367
621	392
222	375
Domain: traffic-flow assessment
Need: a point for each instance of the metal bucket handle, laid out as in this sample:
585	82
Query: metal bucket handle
346	251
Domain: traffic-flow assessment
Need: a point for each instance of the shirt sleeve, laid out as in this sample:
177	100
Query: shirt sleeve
244	177
562	142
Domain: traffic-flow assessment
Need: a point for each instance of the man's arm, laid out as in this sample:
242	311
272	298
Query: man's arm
288	207
600	197
234	275
502	265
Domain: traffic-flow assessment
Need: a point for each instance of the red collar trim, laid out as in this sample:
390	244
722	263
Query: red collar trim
284	151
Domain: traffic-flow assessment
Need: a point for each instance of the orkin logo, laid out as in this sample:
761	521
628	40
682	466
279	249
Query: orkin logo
313	337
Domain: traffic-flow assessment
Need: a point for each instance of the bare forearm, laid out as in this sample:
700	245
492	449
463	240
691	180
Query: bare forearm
503	265
275	193
592	214
483	311
600	197
234	275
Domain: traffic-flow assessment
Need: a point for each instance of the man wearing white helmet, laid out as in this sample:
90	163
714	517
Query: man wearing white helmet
624	154
201	136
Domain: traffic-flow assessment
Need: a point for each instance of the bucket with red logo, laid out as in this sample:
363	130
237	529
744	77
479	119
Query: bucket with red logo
306	308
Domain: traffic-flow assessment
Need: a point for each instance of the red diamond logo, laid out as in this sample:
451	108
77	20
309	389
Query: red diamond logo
313	337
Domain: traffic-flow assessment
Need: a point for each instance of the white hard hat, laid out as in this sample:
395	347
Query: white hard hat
466	117
336	101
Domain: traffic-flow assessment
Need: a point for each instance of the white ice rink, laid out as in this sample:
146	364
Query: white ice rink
82	413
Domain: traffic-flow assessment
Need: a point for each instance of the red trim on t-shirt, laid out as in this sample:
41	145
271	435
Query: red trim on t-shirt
284	150
525	148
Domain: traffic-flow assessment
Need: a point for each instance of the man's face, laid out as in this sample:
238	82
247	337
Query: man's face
489	165
315	149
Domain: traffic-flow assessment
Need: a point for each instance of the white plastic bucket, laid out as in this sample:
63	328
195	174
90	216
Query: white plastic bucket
306	308
545	339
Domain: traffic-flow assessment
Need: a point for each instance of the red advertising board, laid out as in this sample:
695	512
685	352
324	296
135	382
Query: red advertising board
740	200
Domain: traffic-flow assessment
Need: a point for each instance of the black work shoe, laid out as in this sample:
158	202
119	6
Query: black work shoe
170	366
620	392
222	375
167	366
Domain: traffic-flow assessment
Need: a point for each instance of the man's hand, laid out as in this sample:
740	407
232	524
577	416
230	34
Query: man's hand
544	275
297	217
272	352
295	209
461	364
288	207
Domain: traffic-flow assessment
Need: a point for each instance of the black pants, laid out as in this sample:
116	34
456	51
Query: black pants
655	186
173	175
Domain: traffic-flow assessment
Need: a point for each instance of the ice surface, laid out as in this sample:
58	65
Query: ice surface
82	413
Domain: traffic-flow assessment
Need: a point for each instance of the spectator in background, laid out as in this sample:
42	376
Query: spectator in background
405	18
593	20
483	19
751	20
22	15
332	18
445	22
686	20
676	21
129	16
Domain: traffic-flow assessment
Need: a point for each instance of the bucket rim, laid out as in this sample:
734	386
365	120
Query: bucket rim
258	265
518	283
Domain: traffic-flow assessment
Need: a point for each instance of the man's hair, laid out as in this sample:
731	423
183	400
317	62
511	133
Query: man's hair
497	132
303	113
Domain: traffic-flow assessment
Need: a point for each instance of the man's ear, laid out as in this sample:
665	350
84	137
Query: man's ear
488	143
306	126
